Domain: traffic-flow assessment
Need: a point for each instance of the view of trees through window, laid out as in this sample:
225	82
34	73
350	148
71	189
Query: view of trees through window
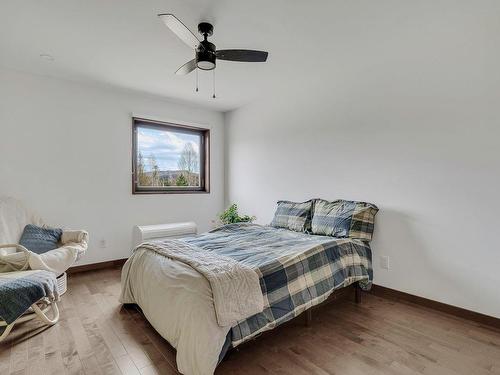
167	158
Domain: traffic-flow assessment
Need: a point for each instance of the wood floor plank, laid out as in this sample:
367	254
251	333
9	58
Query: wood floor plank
89	312
160	344
5	349
69	352
91	366
158	368
452	345
127	366
36	356
133	338
97	336
19	357
52	352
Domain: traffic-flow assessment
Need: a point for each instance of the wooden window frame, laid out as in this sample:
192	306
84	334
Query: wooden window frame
204	134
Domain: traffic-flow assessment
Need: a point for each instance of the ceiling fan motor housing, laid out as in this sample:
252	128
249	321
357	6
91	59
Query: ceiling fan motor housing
205	29
205	56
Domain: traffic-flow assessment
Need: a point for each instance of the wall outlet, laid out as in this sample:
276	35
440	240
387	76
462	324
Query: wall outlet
103	244
384	262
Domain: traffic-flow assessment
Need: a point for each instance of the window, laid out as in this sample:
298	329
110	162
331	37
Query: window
169	158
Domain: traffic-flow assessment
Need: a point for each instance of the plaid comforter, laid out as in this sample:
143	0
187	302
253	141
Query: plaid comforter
296	270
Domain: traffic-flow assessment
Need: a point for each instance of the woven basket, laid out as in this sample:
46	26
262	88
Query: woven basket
62	283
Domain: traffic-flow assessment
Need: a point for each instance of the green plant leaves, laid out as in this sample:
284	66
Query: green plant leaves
231	216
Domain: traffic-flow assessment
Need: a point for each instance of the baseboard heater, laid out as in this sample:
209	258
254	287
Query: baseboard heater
143	233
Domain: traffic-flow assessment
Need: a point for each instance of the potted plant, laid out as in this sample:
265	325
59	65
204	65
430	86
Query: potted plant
231	216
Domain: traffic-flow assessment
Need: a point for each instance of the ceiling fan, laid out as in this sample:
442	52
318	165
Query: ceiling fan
206	53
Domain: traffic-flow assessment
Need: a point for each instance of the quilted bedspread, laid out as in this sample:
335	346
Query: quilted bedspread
296	270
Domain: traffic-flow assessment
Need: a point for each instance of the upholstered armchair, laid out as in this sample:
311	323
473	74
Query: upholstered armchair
14	216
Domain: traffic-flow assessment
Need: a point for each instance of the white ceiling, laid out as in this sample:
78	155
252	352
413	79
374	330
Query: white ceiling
315	45
123	43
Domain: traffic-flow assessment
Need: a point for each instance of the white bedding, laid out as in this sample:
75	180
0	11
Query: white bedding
235	287
183	313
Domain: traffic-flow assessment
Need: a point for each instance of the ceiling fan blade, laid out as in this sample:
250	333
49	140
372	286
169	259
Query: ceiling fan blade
187	67
243	55
179	29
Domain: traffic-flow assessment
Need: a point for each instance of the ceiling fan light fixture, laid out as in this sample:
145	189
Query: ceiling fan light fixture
205	56
205	65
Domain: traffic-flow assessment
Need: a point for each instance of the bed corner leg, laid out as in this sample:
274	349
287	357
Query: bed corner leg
357	293
308	317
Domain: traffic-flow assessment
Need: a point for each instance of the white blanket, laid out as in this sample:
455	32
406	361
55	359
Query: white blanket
74	245
235	287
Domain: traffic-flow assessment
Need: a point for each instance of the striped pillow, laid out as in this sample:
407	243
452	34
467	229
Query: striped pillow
293	216
342	218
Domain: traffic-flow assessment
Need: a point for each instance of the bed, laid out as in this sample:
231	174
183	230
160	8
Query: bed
295	272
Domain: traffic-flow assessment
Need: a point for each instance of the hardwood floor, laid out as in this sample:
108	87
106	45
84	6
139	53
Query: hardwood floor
97	336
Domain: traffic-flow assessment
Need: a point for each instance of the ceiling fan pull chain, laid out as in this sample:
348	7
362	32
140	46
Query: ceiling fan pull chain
213	96
196	79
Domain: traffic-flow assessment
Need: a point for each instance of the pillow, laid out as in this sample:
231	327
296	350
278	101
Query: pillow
293	216
40	240
342	218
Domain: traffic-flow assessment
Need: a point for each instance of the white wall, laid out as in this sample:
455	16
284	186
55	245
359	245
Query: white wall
399	106
405	115
65	150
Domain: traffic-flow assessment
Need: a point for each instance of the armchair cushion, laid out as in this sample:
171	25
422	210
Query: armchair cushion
67	248
39	239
